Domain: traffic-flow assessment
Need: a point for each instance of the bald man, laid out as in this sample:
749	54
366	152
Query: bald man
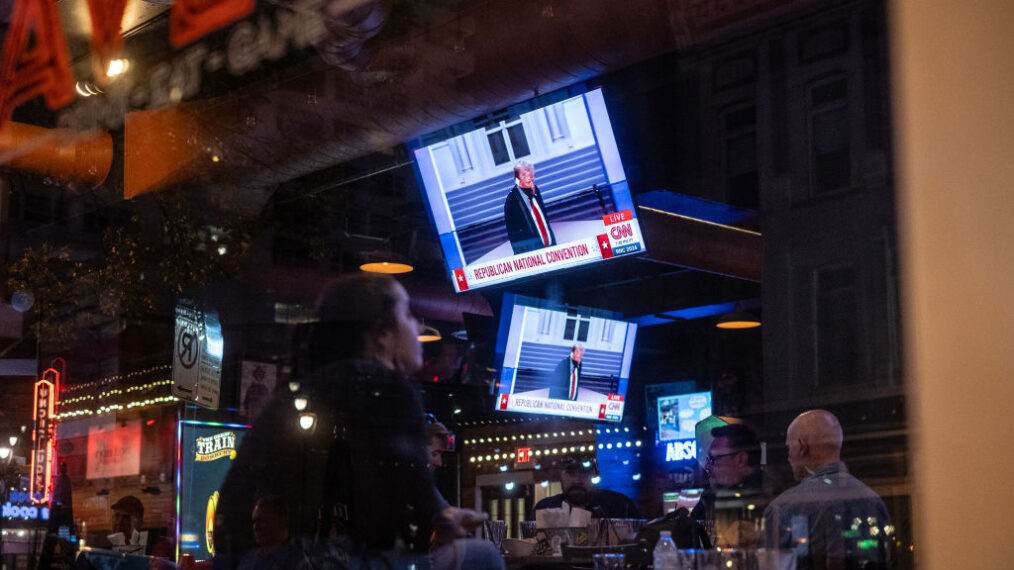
830	519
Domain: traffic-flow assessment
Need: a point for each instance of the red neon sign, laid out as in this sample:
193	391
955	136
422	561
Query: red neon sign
524	454
29	69
42	436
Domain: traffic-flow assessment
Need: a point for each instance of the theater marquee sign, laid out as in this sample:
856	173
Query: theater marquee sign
42	436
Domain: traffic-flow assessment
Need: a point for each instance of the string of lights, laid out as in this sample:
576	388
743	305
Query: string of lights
546	435
100	391
115	378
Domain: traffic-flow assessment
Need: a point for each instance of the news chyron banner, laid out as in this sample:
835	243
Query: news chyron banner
207	451
617	234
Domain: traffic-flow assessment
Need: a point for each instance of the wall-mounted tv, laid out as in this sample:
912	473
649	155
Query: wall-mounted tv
561	360
678	415
498	222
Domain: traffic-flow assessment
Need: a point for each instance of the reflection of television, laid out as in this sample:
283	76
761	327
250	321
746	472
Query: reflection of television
562	361
491	232
679	414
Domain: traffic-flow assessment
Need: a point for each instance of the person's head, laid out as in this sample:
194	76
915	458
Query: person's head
734	454
576	481
438	436
270	520
524	173
365	315
577	353
813	439
128	515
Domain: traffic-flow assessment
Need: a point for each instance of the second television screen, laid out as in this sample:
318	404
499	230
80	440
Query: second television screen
563	361
571	208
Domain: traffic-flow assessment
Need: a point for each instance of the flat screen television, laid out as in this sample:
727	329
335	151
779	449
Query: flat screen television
678	415
563	361
492	230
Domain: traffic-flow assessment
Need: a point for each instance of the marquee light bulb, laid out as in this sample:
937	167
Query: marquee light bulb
306	421
300	404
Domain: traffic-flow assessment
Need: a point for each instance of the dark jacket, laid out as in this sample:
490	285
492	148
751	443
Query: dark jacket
601	503
559	380
360	474
521	228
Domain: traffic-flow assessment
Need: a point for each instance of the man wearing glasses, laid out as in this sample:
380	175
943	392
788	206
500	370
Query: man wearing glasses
739	491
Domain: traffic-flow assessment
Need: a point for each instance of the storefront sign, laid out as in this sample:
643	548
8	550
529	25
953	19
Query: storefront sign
42	436
35	61
206	454
198	347
20	508
216	446
114	449
680	450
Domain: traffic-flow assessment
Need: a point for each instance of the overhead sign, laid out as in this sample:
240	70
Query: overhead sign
42	436
198	347
524	455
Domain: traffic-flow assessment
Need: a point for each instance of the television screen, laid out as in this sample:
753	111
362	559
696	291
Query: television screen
531	193
563	361
679	414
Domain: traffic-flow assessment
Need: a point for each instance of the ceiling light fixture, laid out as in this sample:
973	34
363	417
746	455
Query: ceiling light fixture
738	319
385	262
429	334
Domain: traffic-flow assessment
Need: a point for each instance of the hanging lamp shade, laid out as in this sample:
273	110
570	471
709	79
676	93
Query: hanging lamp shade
385	262
738	319
429	334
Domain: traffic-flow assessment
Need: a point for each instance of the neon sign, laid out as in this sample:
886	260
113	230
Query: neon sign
216	446
42	436
680	450
19	507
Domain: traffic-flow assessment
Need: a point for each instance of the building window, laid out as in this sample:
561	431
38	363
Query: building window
735	71
823	43
462	158
607	331
830	140
577	327
837	325
507	142
556	120
742	184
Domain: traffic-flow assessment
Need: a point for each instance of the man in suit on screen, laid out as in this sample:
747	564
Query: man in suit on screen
524	213
567	375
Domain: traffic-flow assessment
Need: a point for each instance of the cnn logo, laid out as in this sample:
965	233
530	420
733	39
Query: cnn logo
619	232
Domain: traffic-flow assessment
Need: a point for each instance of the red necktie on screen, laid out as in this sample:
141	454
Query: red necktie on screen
573	381
538	219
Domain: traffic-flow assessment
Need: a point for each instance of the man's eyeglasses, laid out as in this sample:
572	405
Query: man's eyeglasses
711	459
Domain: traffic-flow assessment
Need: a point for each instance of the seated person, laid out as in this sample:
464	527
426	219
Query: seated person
357	477
740	488
270	524
579	491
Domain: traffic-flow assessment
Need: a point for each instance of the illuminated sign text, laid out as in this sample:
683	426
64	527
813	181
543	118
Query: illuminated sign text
216	446
681	450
